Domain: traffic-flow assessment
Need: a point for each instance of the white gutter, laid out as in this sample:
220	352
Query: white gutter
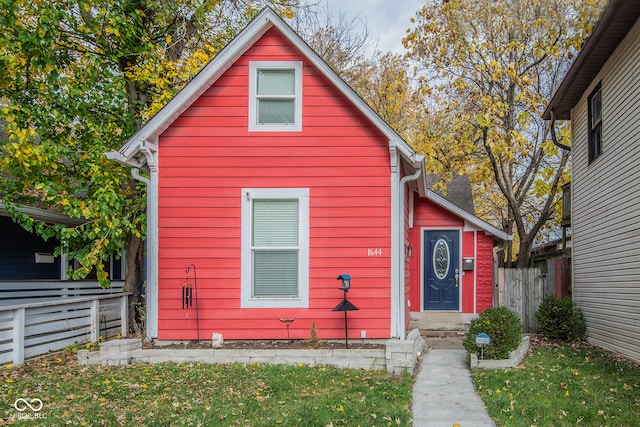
398	303
395	230
150	151
135	172
151	295
402	306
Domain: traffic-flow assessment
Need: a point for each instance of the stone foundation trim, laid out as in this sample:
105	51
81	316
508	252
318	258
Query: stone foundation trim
399	356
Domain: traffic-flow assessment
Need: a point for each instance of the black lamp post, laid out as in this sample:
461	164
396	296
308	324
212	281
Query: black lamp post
345	305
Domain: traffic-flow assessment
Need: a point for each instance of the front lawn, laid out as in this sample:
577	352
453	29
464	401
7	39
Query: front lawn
200	394
563	385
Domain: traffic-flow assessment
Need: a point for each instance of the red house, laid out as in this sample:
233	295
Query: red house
271	177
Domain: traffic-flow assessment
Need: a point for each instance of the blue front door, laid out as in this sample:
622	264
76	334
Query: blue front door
441	270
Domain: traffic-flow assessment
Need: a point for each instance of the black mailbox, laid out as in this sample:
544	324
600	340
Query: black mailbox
468	264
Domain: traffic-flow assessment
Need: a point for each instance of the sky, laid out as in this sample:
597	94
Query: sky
386	20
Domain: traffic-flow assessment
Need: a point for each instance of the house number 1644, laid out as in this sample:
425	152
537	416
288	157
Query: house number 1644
374	252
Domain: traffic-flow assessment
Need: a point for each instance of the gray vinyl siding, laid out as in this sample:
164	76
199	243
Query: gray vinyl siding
606	206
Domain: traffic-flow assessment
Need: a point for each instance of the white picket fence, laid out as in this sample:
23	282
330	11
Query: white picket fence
38	317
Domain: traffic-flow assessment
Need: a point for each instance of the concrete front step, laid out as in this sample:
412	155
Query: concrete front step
432	333
440	321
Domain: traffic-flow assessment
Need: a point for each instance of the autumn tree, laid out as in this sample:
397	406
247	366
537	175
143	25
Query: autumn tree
492	66
77	78
339	39
382	79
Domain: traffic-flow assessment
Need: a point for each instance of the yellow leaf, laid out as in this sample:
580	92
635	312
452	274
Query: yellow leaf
340	408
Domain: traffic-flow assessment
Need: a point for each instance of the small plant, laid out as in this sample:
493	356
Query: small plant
560	319
91	346
504	329
313	341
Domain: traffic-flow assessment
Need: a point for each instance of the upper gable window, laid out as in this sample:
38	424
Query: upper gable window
595	123
275	96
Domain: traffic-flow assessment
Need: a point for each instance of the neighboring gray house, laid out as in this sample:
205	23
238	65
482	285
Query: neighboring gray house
601	96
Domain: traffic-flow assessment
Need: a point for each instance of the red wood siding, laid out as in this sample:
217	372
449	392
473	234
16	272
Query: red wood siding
208	155
468	282
484	272
428	214
415	292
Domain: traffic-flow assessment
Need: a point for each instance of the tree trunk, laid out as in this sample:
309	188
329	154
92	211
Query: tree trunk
524	251
133	282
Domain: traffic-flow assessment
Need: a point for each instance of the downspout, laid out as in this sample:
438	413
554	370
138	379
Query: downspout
151	294
135	172
552	130
402	305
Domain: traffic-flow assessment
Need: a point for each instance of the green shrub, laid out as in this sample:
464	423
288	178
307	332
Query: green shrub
560	319
504	329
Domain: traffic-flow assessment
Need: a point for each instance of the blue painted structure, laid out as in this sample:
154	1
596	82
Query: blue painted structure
18	250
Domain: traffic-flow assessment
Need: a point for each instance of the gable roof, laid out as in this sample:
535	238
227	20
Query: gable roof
616	20
467	217
459	201
132	152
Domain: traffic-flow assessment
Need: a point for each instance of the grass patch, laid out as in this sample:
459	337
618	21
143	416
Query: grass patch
193	394
562	385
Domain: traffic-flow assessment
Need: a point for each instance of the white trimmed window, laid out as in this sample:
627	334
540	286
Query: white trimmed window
275	248
275	96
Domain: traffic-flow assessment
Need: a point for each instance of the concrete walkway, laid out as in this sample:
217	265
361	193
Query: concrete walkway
443	394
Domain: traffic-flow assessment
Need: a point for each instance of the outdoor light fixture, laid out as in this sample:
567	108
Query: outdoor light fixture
409	250
346	281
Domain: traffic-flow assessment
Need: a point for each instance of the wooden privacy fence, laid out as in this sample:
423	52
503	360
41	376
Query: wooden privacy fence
522	290
74	312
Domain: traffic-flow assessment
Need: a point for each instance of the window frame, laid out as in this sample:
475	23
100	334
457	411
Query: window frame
254	125
247	274
594	144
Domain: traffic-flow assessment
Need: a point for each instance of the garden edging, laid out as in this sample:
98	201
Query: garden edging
515	358
397	357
